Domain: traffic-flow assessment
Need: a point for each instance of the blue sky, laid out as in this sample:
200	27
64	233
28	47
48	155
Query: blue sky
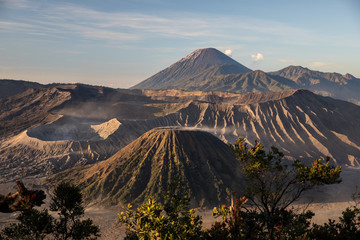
120	43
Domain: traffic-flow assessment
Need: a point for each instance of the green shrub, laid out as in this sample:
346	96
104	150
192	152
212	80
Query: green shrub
35	224
173	220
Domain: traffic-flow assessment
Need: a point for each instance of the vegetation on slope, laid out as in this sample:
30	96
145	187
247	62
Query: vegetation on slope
265	212
272	187
39	224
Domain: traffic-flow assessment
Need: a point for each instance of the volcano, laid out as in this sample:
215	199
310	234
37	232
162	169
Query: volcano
198	65
208	69
207	167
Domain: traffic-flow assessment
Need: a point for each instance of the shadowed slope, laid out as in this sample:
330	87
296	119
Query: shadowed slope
146	166
28	109
12	87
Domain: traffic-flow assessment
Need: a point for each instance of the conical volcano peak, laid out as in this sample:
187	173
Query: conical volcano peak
208	56
193	55
199	65
146	167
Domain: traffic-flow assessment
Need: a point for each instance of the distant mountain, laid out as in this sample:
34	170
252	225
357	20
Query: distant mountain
199	65
210	70
306	77
12	87
345	87
149	164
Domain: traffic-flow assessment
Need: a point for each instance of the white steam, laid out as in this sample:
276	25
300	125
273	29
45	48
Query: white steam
228	52
257	57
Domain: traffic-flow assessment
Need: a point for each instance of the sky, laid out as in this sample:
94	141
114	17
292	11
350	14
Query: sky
119	43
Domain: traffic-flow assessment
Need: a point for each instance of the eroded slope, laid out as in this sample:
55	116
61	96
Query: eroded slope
146	166
302	124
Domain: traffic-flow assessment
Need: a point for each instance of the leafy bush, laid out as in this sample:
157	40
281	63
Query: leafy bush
67	202
265	212
174	220
274	186
35	224
346	228
233	224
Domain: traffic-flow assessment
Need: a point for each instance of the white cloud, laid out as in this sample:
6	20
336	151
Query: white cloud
321	64
12	25
257	57
17	3
228	52
125	26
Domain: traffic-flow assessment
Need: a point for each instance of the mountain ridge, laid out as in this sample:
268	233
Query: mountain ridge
302	124
9	87
345	87
194	73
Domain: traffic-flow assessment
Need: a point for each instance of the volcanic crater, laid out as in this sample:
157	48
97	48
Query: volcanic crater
71	129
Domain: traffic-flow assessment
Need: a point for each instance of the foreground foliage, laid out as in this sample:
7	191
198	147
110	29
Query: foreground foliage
35	224
264	213
273	186
346	228
241	223
150	221
174	220
67	201
23	199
